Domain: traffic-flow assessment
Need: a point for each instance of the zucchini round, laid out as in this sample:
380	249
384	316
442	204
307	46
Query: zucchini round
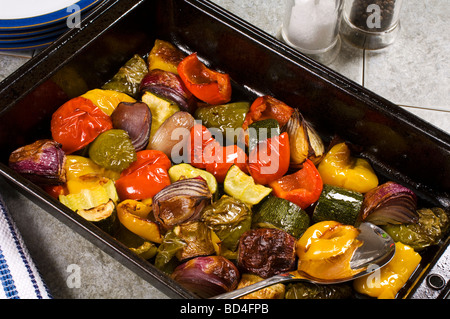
103	216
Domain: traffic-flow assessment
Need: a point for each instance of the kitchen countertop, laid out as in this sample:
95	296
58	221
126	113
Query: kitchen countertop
413	73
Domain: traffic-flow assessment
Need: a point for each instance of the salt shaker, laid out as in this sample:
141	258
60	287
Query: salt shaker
312	27
371	24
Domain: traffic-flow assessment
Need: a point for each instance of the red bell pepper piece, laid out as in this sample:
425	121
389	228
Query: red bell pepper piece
78	122
269	160
207	85
268	107
302	188
144	177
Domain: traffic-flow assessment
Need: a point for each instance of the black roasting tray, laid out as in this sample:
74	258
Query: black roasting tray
400	146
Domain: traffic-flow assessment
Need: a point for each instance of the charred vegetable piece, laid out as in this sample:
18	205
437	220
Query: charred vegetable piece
224	117
339	168
243	187
136	244
197	237
166	257
184	170
272	292
279	213
390	203
77	123
432	226
181	201
266	252
135	216
338	204
171	135
136	120
128	79
392	277
161	110
304	290
208	85
103	216
229	218
169	86
207	276
107	100
305	142
165	56
42	162
113	150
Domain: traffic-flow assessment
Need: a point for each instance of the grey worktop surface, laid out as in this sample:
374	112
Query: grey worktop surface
413	73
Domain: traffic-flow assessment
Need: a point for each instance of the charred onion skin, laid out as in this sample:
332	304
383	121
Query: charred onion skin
207	276
41	162
390	203
181	201
266	252
136	120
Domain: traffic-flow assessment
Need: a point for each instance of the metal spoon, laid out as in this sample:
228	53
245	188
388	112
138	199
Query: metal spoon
377	250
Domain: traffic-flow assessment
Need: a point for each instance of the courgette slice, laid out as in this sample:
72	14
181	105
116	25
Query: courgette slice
261	130
280	213
338	204
103	216
243	187
185	170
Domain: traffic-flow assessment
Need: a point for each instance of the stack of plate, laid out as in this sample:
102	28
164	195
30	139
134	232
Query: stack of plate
31	24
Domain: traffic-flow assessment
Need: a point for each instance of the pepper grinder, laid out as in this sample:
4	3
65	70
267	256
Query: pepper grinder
371	24
312	27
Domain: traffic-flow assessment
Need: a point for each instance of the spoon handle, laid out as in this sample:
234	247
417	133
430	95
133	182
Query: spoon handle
256	286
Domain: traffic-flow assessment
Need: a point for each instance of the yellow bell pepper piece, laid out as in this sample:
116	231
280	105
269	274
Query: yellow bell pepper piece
77	166
107	100
133	215
325	250
385	283
339	168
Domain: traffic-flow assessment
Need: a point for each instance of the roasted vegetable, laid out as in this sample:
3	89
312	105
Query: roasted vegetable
207	276
42	162
181	201
97	194
338	204
305	290
77	166
166	256
276	212
339	168
136	120
269	160
136	217
113	150
197	237
325	250
169	86
260	131
431	226
210	86
266	252
229	218
103	216
272	292
302	188
243	187
225	118
135	243
128	79
184	170
304	141
165	56
268	107
145	177
77	123
161	110
390	203
386	283
171	135
107	100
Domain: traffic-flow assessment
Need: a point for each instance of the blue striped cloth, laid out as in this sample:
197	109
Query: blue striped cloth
19	277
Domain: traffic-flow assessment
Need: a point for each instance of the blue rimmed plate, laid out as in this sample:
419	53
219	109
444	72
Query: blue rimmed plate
29	14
